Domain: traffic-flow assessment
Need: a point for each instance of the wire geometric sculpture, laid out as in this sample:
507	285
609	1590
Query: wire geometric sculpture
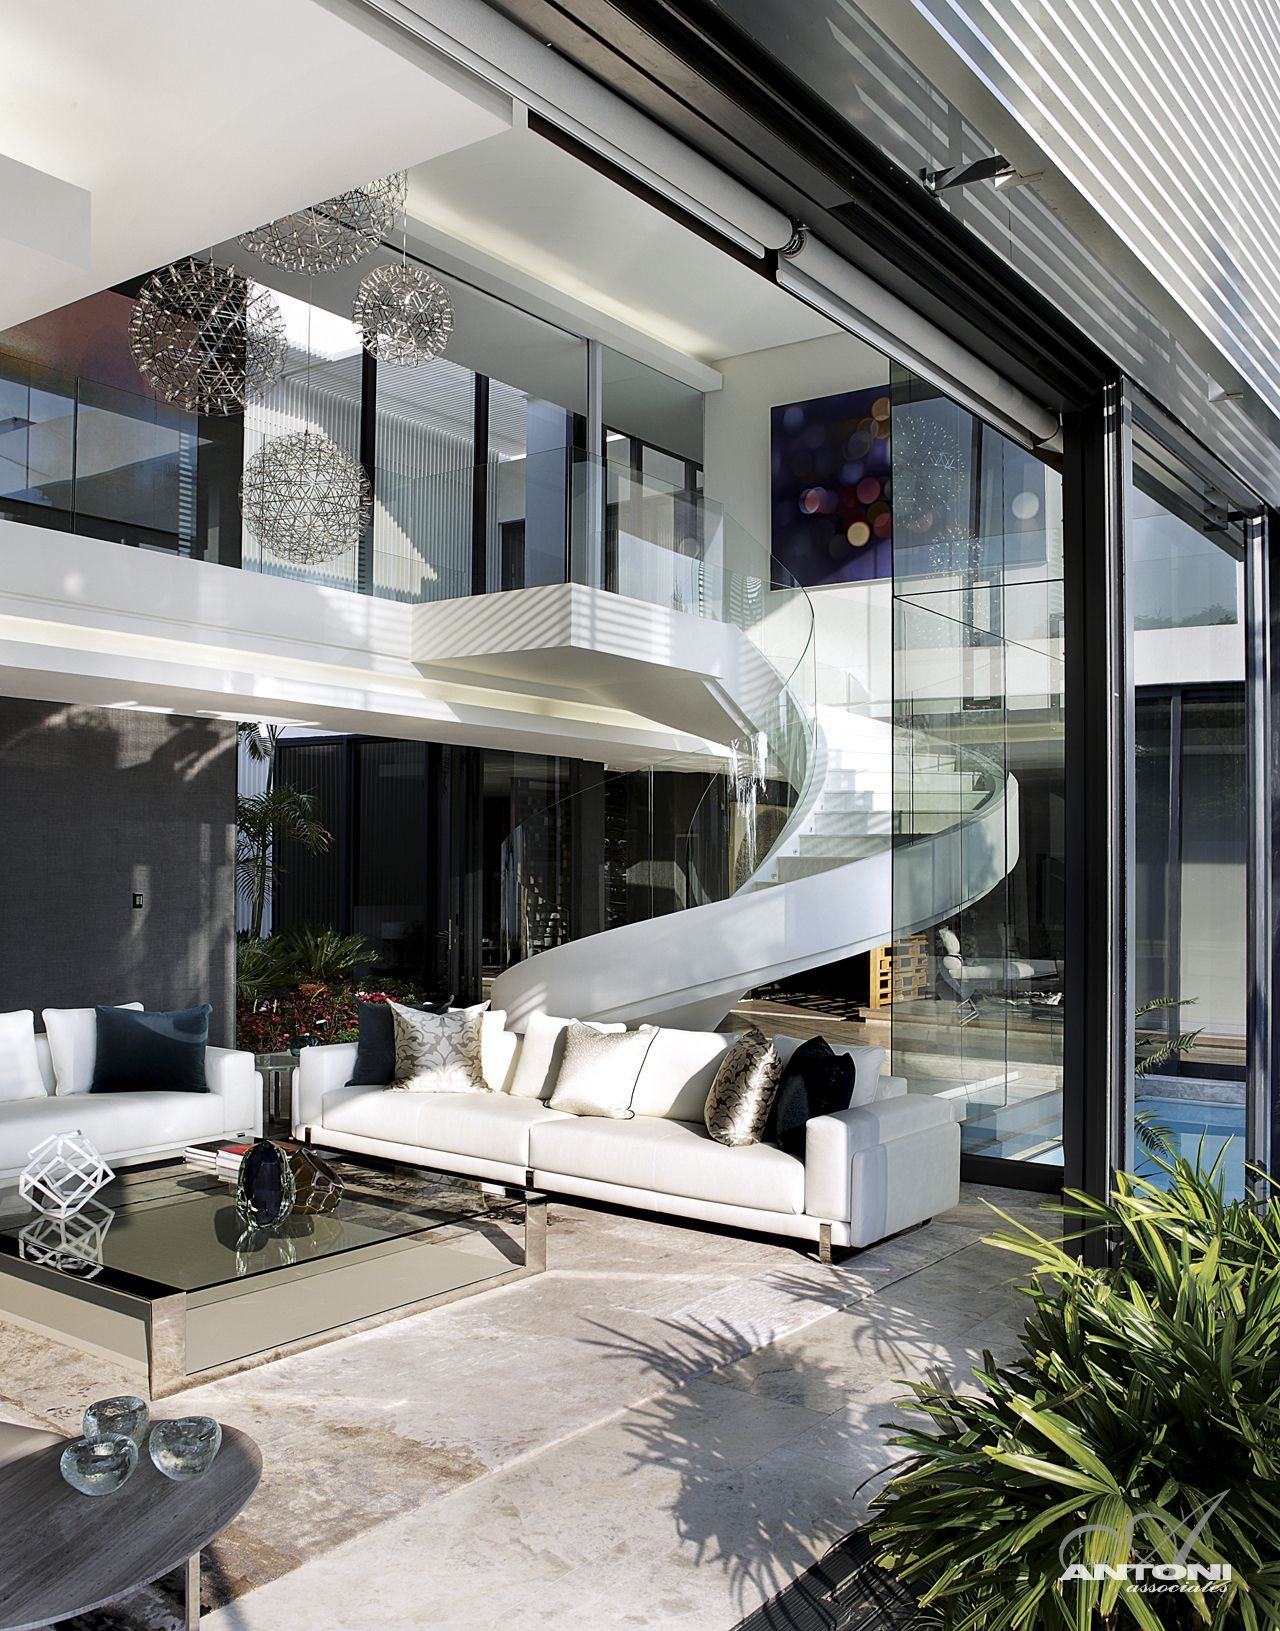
405	315
336	233
62	1173
72	1244
305	498
206	338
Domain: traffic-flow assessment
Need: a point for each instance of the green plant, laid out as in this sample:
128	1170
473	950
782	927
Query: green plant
310	954
264	821
1140	1423
1154	1048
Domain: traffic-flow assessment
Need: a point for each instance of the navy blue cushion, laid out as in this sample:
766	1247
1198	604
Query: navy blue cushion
156	1053
375	1064
815	1082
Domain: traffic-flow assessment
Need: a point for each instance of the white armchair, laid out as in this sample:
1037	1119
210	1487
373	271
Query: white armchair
234	1078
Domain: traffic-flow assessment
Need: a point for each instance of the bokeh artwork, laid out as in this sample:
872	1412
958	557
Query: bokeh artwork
832	511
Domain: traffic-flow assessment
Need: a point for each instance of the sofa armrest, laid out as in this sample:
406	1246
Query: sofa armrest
832	1143
320	1071
233	1076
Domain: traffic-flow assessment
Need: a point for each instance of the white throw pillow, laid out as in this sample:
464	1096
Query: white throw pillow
599	1071
868	1062
678	1072
20	1076
437	1053
497	1049
540	1055
73	1045
949	940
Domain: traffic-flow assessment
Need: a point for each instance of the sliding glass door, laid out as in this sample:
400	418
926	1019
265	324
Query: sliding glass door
979	988
1196	796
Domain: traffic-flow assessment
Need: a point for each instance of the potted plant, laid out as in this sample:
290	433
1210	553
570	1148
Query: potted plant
1124	1470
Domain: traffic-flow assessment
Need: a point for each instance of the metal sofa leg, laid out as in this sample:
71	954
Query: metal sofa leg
824	1244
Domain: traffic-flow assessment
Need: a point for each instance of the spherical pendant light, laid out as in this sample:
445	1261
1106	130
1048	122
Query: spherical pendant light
340	231
404	313
305	498
206	338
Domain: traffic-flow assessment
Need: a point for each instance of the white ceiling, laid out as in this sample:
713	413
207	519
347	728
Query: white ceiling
556	224
187	123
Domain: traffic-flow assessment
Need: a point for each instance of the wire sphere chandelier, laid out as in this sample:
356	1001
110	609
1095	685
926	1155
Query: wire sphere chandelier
404	314
336	233
305	498
931	474
206	338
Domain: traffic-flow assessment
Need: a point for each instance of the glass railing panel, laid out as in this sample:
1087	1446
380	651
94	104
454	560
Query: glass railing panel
135	468
37	441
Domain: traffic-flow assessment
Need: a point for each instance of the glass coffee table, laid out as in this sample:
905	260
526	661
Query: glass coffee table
158	1272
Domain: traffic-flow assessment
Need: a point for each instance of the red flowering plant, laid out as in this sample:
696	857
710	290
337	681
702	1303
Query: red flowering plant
305	1015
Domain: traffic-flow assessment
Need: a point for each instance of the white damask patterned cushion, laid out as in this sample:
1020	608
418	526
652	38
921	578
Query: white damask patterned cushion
744	1090
599	1071
437	1053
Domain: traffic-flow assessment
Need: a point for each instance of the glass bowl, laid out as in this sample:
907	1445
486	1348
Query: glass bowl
98	1466
184	1448
119	1417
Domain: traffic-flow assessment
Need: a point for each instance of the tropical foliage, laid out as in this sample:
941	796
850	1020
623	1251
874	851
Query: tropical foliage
264	821
1156	1048
1140	1421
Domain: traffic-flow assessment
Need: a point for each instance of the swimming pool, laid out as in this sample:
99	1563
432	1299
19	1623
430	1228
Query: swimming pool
1221	1126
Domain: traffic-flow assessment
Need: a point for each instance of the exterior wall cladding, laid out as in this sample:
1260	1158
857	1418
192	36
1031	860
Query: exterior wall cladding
97	805
1153	215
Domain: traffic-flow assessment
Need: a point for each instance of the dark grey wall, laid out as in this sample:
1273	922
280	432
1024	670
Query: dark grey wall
96	805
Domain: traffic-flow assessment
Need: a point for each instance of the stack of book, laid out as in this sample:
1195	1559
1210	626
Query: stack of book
222	1161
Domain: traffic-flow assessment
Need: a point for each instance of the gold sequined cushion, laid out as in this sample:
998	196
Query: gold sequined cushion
599	1071
743	1092
437	1053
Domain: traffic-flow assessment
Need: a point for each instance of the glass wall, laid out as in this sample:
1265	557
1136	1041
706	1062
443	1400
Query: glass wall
1189	899
87	448
979	721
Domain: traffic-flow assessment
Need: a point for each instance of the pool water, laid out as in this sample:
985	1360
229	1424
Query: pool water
1220	1126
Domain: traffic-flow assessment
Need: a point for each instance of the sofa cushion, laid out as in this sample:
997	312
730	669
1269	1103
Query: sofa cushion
73	1044
669	1158
678	1071
149	1053
376	1053
540	1055
20	1076
437	1053
597	1076
115	1123
743	1092
816	1081
490	1126
869	1062
498	1050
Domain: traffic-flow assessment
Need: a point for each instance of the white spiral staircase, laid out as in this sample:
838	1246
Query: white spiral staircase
849	871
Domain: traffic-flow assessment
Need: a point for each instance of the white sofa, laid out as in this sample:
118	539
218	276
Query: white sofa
129	1127
867	1173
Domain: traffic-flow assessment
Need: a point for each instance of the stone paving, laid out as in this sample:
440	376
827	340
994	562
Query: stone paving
660	1432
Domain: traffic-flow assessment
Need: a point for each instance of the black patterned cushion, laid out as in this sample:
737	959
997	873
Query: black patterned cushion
742	1094
437	1053
816	1082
